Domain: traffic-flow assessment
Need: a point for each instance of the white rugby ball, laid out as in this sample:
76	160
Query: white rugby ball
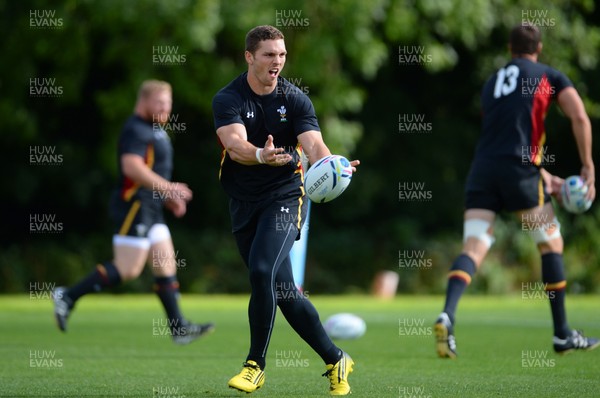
345	326
327	178
573	194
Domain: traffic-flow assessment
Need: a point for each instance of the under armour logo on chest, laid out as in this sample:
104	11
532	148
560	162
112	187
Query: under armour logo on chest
249	115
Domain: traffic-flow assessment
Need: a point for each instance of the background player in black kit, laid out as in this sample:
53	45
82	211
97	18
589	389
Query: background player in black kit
514	104
145	157
264	123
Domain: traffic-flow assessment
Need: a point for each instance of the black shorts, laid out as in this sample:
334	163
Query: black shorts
136	217
283	214
267	224
504	185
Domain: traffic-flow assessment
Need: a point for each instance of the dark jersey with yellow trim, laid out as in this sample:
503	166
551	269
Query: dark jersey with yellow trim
151	142
514	102
285	113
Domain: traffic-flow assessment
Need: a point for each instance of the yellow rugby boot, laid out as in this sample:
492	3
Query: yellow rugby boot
250	379
338	375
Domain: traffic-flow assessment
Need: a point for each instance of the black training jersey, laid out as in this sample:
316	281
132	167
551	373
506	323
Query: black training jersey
285	113
151	142
514	104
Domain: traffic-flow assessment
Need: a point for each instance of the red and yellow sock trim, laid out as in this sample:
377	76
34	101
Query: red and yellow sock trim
460	275
555	286
103	274
165	287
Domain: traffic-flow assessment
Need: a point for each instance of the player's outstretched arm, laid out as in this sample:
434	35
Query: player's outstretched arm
571	104
235	140
314	147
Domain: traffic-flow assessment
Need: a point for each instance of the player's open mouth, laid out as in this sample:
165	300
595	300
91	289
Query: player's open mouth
273	72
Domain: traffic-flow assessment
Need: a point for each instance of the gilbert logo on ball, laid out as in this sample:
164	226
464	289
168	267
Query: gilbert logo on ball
573	194
327	178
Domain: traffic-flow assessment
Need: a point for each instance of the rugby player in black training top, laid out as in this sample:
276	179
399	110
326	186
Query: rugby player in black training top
264	123
506	174
145	159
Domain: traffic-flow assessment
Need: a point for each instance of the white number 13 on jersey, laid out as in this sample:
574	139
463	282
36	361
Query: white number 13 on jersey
506	81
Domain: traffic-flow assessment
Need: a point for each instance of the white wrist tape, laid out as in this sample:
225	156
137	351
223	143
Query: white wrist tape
259	156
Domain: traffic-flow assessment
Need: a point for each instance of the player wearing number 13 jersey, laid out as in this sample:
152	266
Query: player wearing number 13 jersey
507	174
514	102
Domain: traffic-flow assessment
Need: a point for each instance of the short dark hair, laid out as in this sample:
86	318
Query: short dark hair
260	33
524	39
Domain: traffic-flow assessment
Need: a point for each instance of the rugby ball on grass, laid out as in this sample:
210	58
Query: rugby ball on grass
573	194
345	326
327	178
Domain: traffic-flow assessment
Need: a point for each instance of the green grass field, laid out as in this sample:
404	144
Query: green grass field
111	350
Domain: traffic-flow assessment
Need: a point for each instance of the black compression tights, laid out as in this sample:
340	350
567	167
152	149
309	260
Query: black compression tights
266	253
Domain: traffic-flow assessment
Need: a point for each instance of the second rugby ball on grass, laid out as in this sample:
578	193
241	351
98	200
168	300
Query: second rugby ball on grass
345	326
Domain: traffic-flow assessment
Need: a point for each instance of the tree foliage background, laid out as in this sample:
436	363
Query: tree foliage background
347	55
